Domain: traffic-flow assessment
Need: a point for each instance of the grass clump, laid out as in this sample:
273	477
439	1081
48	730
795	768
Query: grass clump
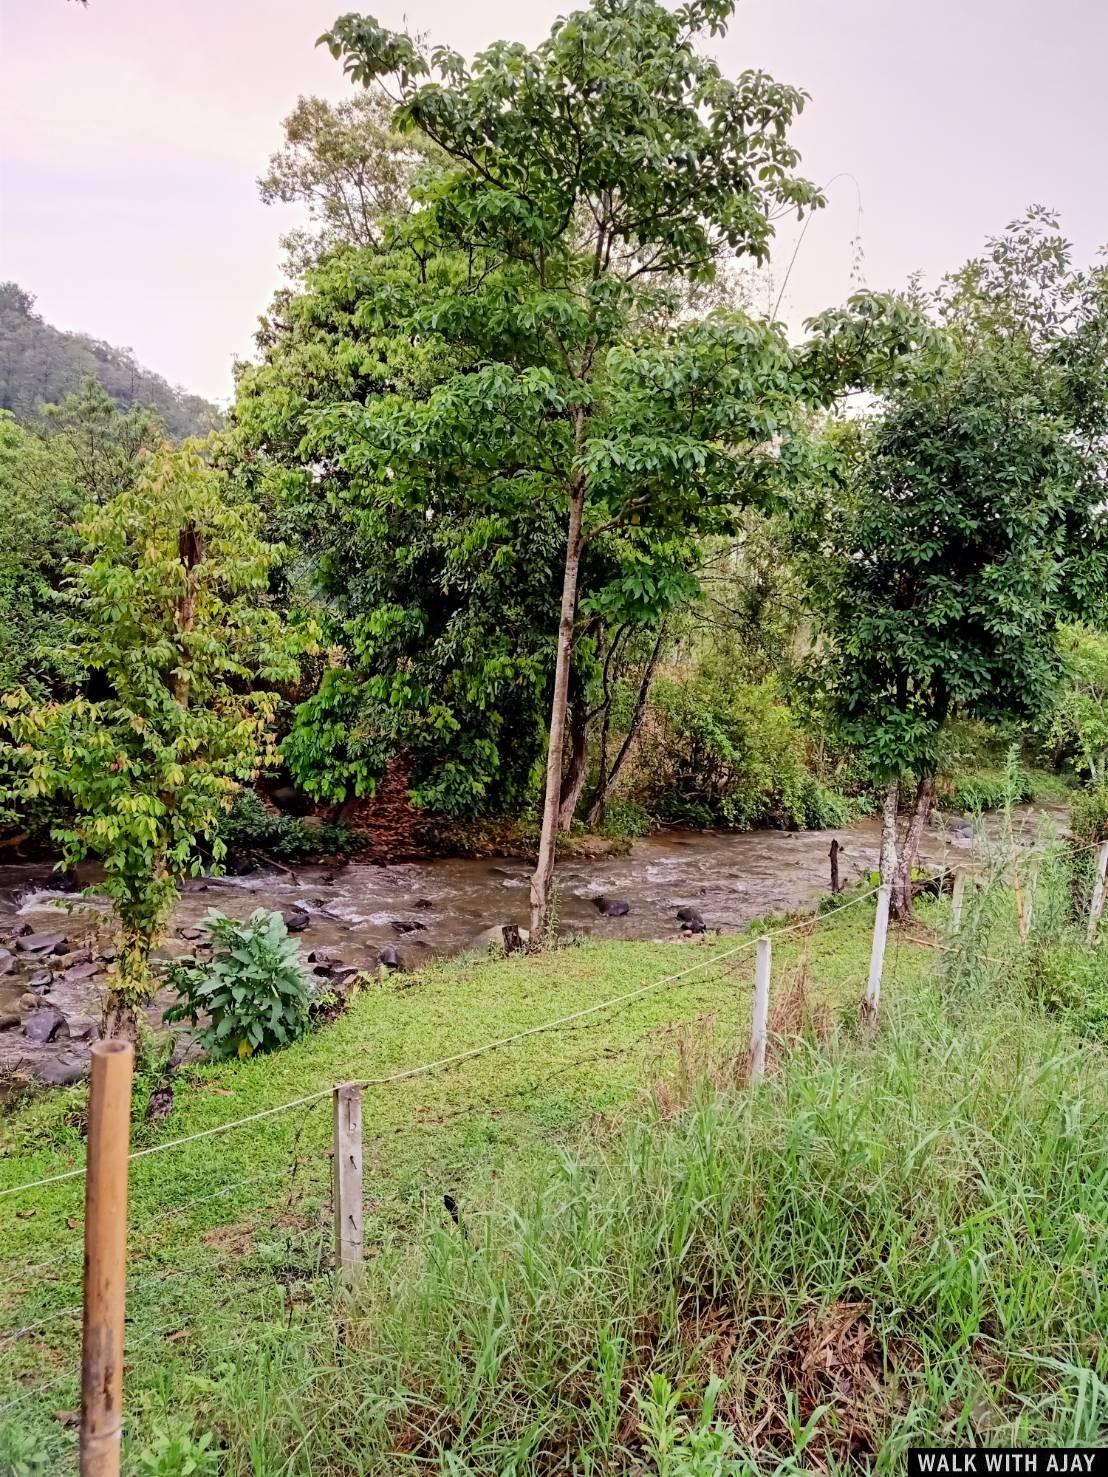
891	1243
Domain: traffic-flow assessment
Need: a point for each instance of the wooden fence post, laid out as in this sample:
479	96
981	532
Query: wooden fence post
760	1023
348	1181
877	956
109	1138
957	898
1097	905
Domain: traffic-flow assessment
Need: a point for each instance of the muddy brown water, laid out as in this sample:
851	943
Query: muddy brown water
353	910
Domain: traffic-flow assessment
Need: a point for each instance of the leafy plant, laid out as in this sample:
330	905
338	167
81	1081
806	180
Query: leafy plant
175	1452
253	991
170	618
249	826
678	1446
23	1453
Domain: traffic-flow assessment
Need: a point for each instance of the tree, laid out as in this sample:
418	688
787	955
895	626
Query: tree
970	520
84	451
171	622
579	174
349	167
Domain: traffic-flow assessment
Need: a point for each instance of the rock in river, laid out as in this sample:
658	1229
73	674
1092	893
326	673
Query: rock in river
45	1025
613	907
390	958
42	943
296	920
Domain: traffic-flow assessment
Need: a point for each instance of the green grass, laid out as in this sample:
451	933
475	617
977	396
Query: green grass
897	1238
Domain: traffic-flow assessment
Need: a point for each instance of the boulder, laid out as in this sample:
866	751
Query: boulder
7	961
408	925
289	799
9	1020
80	974
42	980
193	934
321	956
612	907
692	919
390	958
61	1071
42	943
296	920
46	1025
423	903
83	1028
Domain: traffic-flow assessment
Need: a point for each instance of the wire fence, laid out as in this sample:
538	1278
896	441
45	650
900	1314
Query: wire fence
294	1250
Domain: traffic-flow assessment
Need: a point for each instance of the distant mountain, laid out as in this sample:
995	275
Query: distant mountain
41	365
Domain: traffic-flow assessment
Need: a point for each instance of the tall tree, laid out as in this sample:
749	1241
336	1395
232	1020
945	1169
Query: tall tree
581	174
171	622
970	520
347	165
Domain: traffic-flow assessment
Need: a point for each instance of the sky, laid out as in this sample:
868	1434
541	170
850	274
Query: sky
134	131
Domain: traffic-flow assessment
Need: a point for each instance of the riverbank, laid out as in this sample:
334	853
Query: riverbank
422	911
889	1197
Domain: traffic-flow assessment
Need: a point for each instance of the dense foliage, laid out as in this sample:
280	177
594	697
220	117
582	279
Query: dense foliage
969	520
182	653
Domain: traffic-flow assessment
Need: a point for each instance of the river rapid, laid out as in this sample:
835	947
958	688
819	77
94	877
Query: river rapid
442	907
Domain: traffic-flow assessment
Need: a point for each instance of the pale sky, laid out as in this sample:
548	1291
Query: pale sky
133	132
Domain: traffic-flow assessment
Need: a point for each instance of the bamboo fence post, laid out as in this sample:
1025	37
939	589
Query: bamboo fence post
1097	905
877	956
109	1133
760	1023
348	1181
957	899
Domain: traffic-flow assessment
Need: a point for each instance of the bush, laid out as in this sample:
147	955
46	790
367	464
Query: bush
253	990
991	789
1089	816
732	754
251	827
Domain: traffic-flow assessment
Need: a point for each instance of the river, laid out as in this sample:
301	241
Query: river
445	906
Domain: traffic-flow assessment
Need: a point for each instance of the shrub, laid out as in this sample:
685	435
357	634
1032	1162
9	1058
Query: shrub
251	827
991	789
1089	816
253	989
174	1452
732	753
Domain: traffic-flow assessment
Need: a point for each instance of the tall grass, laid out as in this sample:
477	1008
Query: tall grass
893	1241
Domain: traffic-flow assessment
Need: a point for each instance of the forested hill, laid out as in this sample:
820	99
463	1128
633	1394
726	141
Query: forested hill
40	364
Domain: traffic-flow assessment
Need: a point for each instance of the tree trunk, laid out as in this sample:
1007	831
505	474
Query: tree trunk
130	983
609	781
901	900
887	868
576	774
543	875
190	546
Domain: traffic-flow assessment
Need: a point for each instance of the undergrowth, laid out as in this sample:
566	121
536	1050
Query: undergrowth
892	1242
